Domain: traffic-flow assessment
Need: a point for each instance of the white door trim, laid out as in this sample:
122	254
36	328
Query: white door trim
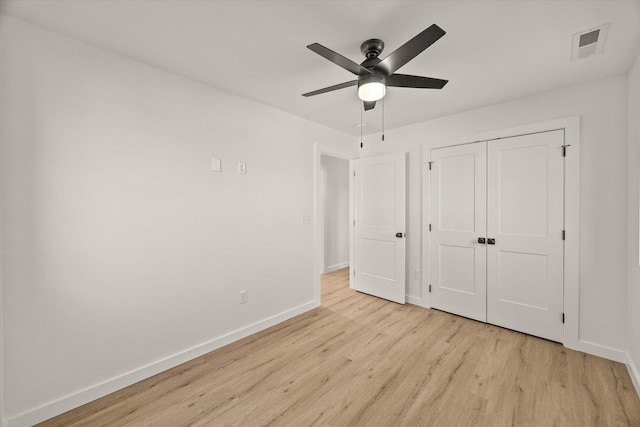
323	215
571	126
327	150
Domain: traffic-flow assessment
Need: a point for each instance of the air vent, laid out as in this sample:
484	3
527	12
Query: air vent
589	38
589	42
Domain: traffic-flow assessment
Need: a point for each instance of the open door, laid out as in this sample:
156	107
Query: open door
380	204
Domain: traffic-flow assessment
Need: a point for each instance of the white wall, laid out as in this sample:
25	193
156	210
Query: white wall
602	105
633	270
336	213
123	253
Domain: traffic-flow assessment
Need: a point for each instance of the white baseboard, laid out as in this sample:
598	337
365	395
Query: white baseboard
599	350
633	373
610	353
336	267
81	397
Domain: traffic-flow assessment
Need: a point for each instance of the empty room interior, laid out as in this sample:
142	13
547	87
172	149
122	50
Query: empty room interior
291	213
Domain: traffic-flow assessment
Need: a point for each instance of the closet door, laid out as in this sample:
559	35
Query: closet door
458	219
525	185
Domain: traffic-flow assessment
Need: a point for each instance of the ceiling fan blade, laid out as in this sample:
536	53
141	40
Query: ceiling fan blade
369	105
405	80
410	49
331	88
338	59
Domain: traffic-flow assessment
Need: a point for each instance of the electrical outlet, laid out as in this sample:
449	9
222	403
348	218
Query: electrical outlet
416	274
244	297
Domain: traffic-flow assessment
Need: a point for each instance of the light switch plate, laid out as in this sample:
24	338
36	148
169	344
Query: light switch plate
242	167
216	165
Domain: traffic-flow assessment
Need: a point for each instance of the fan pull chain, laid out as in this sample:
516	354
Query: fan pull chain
383	119
361	144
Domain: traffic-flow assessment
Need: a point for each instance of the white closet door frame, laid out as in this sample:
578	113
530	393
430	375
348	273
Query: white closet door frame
571	126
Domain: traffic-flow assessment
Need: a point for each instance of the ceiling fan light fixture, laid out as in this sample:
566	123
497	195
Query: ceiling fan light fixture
371	88
374	74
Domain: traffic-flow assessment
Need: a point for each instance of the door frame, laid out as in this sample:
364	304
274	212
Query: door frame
320	150
571	127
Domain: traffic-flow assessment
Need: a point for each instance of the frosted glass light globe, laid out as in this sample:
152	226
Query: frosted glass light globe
372	91
371	88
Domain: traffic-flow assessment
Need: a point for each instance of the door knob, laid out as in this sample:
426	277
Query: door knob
481	240
399	235
491	241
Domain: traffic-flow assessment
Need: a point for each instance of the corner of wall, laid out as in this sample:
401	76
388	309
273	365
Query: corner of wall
2	416
633	226
3	421
633	373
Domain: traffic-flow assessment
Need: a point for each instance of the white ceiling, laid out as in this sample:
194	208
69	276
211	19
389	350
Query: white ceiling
493	51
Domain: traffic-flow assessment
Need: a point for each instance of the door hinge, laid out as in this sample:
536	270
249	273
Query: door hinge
564	149
354	272
429	227
354	173
429	288
562	317
430	165
564	235
354	222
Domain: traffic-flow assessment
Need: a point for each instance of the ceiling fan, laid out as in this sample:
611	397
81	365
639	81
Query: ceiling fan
374	74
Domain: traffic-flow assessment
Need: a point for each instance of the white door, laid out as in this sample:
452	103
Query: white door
458	219
509	193
525	219
379	253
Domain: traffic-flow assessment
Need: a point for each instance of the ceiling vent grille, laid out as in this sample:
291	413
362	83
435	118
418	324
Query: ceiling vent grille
589	42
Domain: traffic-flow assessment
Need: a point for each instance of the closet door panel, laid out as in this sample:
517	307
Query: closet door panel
525	218
458	219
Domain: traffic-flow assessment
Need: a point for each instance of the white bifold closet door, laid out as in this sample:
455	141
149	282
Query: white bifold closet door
506	266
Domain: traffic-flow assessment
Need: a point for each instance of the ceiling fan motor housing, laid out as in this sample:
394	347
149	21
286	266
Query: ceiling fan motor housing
372	48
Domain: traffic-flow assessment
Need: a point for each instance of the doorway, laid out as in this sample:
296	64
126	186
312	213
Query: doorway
571	275
329	253
335	213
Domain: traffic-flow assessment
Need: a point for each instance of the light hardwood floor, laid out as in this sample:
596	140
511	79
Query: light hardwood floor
363	361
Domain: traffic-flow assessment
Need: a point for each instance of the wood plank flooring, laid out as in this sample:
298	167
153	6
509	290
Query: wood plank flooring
362	361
